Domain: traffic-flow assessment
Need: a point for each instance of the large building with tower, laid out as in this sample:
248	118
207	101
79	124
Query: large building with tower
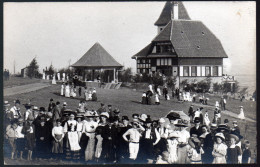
183	48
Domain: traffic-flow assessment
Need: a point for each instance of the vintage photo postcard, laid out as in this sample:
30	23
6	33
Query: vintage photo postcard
165	82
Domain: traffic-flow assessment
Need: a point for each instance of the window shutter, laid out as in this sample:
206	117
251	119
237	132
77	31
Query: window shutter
190	71
198	71
181	71
203	71
219	71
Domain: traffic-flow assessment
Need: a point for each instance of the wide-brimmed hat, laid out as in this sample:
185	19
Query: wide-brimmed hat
182	123
6	103
104	114
226	121
161	120
247	143
173	116
88	114
49	114
109	105
174	134
143	117
135	115
236	137
125	118
35	108
213	126
220	135
222	127
20	120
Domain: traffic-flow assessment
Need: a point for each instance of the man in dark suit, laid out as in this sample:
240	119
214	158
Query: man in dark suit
197	128
191	113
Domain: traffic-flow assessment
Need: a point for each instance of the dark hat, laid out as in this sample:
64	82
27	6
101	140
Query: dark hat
237	134
109	105
135	115
42	109
201	108
27	106
80	115
102	104
125	118
226	121
51	99
115	118
173	116
196	120
148	120
57	103
182	123
17	102
222	127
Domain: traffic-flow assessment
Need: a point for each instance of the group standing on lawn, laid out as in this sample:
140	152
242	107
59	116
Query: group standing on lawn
103	136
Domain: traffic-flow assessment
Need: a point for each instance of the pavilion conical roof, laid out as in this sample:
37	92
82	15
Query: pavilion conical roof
96	57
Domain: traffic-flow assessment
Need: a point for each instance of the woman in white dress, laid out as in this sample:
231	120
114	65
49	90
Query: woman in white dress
219	150
62	89
206	119
172	146
241	115
67	90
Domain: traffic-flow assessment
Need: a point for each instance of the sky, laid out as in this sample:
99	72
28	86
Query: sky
60	33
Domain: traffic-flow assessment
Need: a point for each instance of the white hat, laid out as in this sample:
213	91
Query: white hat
220	135
241	106
104	114
64	103
143	117
6	103
161	120
35	108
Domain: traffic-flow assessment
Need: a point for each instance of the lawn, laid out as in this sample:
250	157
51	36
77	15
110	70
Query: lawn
16	81
128	101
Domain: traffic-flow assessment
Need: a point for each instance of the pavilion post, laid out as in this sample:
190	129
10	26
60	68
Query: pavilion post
93	72
114	74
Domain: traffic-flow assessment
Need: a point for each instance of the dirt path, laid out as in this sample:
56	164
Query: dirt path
24	88
229	113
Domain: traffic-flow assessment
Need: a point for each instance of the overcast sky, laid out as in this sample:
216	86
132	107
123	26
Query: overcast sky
59	32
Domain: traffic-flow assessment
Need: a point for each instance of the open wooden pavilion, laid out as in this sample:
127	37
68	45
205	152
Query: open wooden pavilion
97	59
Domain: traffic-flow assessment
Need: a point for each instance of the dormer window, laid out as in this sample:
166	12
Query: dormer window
203	33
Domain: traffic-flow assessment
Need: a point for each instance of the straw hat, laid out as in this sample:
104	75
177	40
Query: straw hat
6	103
161	120
104	114
88	114
220	135
182	123
174	134
235	137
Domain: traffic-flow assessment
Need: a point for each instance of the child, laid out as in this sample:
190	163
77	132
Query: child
29	131
241	115
195	150
67	90
246	157
58	135
89	95
172	143
157	101
219	150
233	151
206	119
62	89
11	135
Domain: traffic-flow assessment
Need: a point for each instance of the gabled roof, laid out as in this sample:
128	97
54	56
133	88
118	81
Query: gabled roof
165	16
144	52
98	57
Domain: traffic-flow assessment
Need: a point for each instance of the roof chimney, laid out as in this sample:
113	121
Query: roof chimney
175	11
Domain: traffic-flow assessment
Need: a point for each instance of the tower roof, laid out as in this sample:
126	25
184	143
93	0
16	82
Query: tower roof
165	16
96	57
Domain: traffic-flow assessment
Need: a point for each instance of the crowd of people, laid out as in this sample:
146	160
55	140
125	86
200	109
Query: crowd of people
104	136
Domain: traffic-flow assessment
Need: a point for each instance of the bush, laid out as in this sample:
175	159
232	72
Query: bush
217	87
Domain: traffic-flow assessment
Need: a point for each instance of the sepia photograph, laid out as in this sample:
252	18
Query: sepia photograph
140	82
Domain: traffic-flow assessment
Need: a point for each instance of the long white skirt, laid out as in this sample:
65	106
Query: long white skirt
241	115
67	92
62	91
74	141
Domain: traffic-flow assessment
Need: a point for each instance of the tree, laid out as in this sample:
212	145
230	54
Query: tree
171	81
51	70
33	69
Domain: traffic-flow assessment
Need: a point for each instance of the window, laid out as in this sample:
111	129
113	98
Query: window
185	71
215	71
193	71
149	61
169	61
162	62
207	71
158	62
141	70
138	60
143	60
138	70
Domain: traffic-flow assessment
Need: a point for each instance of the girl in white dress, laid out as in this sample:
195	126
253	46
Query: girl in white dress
157	101
62	90
172	146
206	119
241	115
67	90
89	95
219	150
